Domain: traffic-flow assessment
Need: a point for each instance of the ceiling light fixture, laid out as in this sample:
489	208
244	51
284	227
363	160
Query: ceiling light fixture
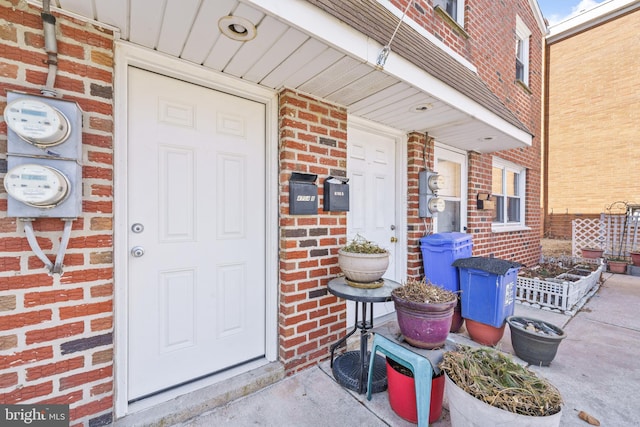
421	108
237	28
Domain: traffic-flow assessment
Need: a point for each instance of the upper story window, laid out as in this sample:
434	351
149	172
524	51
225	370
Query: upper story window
523	35
508	189
454	8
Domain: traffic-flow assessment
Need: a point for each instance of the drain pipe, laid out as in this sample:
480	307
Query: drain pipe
50	47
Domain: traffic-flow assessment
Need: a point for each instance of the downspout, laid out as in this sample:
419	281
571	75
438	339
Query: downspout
50	47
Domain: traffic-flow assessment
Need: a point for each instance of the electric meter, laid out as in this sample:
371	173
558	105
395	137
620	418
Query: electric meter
436	182
436	204
37	185
37	122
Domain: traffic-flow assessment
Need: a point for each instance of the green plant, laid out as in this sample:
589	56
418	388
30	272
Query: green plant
360	245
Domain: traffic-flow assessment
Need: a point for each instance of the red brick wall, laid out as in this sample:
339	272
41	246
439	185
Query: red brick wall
313	139
493	54
416	227
56	333
423	13
489	44
560	226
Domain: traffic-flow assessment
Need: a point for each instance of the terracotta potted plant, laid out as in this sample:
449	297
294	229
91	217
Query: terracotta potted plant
617	265
591	253
635	256
485	387
363	262
483	333
424	312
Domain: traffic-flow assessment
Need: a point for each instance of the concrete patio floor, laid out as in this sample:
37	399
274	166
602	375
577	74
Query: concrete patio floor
596	370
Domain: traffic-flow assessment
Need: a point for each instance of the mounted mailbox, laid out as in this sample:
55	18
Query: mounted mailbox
485	202
336	194
303	194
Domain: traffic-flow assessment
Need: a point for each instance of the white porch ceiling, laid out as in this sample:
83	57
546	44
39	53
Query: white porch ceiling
286	53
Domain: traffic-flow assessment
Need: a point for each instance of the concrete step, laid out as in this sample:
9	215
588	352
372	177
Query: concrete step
193	404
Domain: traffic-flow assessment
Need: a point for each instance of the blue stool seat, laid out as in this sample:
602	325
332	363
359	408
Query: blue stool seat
419	365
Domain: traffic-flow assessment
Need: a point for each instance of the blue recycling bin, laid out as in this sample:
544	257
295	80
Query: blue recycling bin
488	289
439	251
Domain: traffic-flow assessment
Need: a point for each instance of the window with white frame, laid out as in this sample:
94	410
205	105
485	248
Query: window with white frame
455	9
508	190
523	35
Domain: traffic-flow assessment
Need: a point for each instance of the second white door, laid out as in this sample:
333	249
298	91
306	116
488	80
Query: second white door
371	168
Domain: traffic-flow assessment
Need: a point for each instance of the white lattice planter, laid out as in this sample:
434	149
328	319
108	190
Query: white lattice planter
556	293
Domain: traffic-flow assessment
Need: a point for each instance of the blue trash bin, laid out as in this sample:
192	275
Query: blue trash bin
488	289
439	251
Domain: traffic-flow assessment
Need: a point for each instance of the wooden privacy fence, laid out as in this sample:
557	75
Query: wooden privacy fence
616	233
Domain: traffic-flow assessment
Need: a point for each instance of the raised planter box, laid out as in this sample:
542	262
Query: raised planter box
562	292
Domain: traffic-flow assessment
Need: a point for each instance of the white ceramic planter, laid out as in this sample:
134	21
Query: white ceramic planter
467	411
363	268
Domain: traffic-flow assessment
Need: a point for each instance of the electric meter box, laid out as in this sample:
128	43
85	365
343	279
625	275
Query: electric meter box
303	194
41	188
336	194
429	203
43	126
44	149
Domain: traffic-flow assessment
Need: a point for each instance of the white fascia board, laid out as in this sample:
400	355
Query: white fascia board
332	31
537	14
602	12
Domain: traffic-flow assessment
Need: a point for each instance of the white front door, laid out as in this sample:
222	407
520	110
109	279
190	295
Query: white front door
371	169
453	166
196	215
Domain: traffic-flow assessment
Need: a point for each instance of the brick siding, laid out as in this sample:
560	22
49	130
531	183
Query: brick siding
313	139
593	118
560	226
492	52
56	333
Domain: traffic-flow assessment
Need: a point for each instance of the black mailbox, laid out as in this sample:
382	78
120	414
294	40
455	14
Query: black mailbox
303	194
336	194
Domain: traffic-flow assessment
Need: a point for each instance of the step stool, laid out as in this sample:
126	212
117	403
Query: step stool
419	365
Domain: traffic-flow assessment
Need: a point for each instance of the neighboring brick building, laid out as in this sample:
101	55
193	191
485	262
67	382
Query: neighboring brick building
189	141
592	114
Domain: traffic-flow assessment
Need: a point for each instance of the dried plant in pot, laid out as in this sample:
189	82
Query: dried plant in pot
363	262
486	387
424	312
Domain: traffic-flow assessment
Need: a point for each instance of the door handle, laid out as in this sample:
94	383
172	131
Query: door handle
137	251
394	239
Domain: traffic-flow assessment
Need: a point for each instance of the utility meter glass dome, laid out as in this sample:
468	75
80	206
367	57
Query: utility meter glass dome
37	185
37	122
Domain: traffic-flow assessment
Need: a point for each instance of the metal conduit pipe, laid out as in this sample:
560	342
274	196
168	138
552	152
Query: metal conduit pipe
50	47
